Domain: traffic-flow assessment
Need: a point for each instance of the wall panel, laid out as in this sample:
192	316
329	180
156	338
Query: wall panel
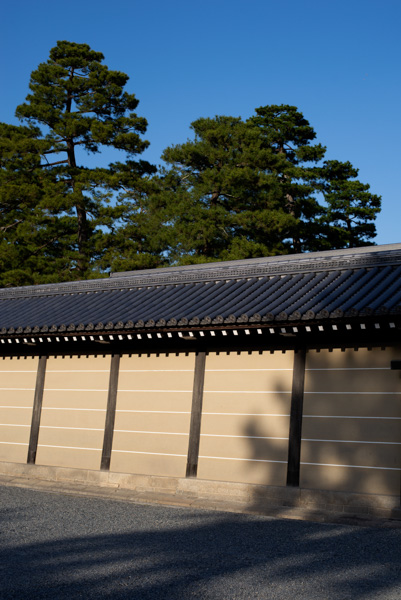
245	420
73	412
17	390
351	436
153	414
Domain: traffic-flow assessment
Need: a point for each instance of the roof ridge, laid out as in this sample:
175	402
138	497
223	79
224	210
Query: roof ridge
371	256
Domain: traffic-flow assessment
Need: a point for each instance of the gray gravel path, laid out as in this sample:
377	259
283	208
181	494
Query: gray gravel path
58	546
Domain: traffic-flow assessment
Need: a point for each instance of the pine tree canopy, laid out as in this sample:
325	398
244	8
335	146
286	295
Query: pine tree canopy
76	106
260	187
237	189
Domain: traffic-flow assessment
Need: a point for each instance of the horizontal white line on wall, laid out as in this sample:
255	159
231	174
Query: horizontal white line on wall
356	393
283	462
351	369
74	428
78	371
17	372
24	407
12	425
242	370
14	443
157	391
158	412
350	466
156	370
17	389
246	414
153	453
247	437
349	417
68	447
205	391
151	432
46	389
352	442
185	412
68	408
245	392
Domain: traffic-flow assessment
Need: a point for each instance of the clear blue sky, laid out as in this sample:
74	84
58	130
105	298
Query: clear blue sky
338	61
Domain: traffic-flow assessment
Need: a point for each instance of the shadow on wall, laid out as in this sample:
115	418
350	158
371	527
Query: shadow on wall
351	431
268	442
65	548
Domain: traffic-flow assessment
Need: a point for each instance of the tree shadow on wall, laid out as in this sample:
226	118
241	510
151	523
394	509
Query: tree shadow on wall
64	547
338	429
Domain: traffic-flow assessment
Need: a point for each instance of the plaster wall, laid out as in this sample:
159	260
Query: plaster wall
73	411
17	390
153	413
351	432
245	419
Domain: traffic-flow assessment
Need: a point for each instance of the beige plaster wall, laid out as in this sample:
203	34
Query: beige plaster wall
17	390
351	433
245	421
153	414
73	411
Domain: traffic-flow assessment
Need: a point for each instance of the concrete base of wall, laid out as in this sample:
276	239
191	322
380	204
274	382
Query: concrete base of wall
218	495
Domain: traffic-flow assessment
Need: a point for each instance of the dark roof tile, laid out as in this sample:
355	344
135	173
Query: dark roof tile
312	286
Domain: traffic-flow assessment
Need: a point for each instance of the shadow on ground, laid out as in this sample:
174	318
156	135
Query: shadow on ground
59	547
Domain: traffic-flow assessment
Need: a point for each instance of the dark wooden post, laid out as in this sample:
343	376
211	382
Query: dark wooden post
110	412
37	410
196	415
297	400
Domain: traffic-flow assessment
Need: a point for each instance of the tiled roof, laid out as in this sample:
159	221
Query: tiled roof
307	287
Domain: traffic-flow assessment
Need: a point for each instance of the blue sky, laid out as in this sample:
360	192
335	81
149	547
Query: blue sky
337	61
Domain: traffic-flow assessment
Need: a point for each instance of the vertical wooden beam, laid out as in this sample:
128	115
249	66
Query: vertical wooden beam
37	410
297	400
196	415
110	412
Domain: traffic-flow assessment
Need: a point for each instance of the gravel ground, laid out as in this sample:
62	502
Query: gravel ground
58	546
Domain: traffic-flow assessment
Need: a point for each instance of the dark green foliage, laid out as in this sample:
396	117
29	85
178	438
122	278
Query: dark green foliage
32	236
260	187
238	189
73	215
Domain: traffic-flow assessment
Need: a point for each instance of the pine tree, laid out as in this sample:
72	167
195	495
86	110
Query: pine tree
31	235
261	187
223	201
81	107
